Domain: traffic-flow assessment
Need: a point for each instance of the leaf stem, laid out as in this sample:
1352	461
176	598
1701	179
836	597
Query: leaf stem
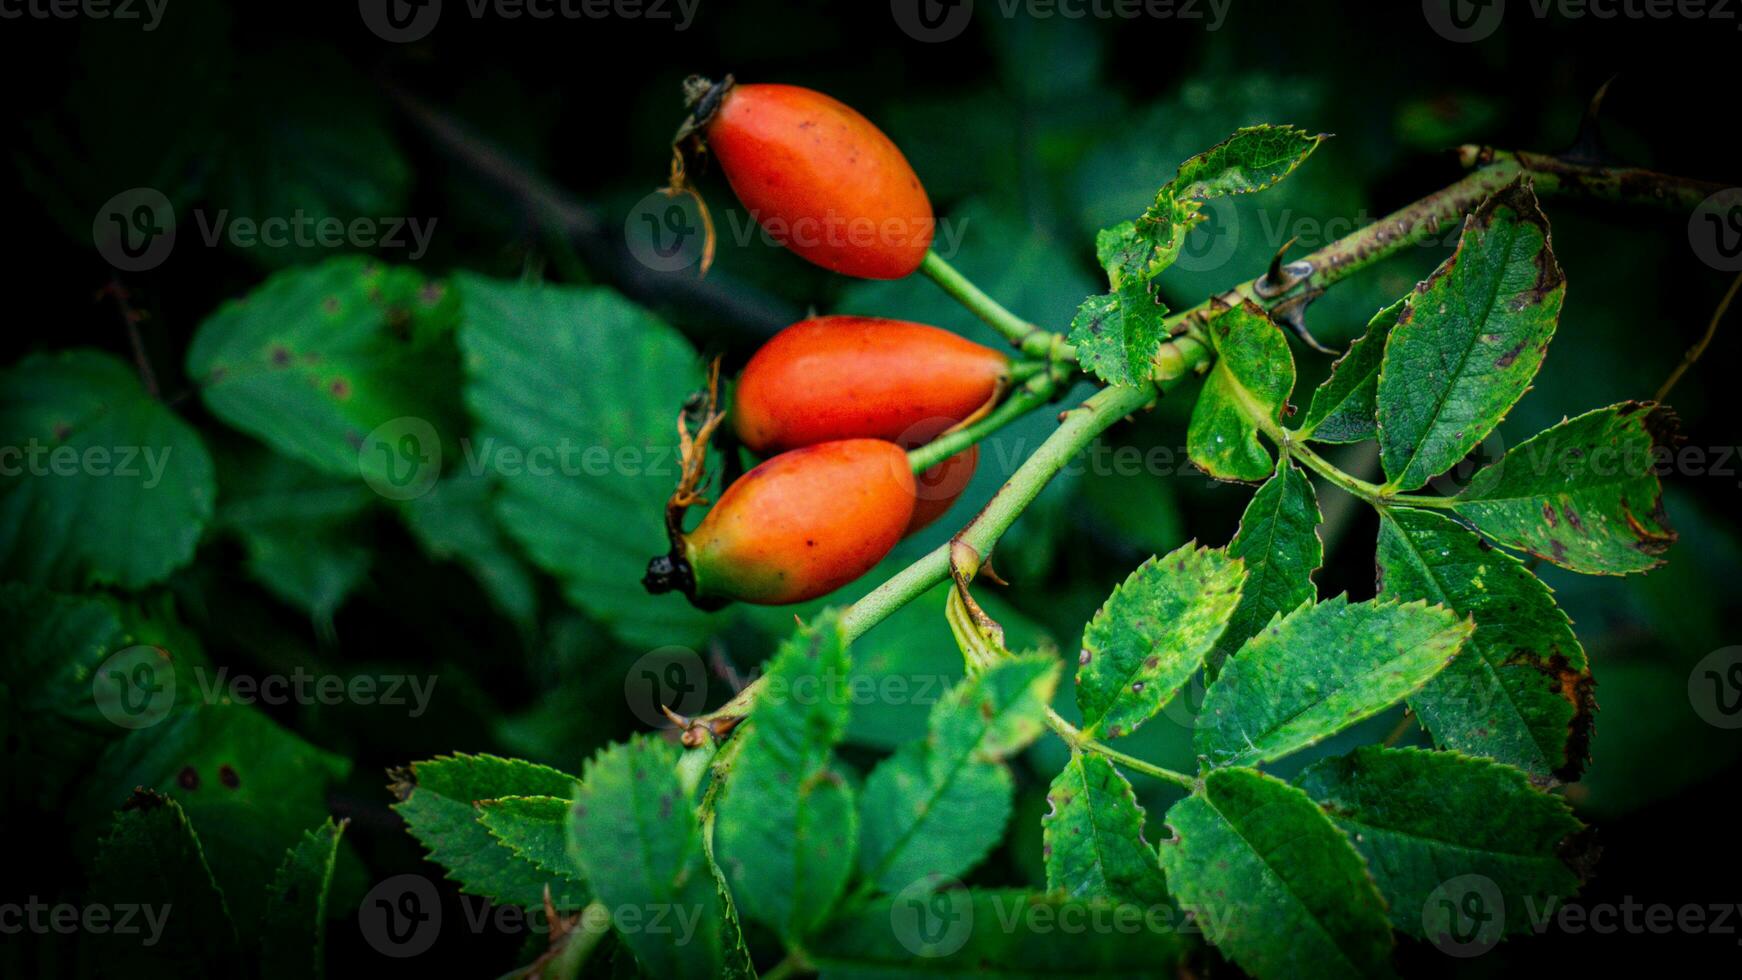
1026	399
1074	737
1027	337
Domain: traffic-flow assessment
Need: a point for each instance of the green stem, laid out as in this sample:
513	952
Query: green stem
1023	401
1031	339
1075	738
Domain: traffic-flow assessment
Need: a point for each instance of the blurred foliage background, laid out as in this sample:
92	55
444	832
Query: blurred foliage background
530	145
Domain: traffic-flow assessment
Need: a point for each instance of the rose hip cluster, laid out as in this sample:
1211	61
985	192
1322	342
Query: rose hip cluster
832	402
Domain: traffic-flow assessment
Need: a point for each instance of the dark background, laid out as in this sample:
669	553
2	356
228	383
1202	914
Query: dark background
1032	133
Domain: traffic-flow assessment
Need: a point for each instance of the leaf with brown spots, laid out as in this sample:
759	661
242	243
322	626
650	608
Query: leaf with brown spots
1093	836
1471	338
1584	495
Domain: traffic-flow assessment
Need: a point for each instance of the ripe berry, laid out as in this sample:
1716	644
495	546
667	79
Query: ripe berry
939	486
819	177
856	377
798	526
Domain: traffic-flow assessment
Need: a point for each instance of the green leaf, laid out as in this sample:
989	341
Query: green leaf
633	833
109	487
1424	818
939	805
1093	836
1116	336
1276	886
534	828
1472	336
1254	158
1345	408
151	861
1251	380
1278	540
786	822
993	933
1318	670
293	938
456	521
594	520
1583	495
318	360
249	787
436	799
1152	635
1522	692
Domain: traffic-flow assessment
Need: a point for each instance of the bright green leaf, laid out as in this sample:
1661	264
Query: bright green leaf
1470	339
1423	819
1093	837
634	835
1318	670
1583	495
1522	692
1152	635
1275	885
534	828
1278	540
1247	387
110	487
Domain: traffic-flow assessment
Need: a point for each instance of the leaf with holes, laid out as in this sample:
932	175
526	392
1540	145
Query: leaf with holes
1584	494
1320	669
1522	692
1469	340
1152	635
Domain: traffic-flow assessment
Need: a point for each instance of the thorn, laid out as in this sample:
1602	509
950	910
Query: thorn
1291	313
1273	282
677	720
991	574
1587	145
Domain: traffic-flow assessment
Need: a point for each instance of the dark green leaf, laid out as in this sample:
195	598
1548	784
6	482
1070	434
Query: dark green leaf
1318	670
635	837
534	828
1345	407
456	521
1424	818
786	824
109	488
437	800
1116	335
1152	635
1094	842
346	366
293	938
939	805
1254	158
1472	336
1522	692
984	933
1250	383
1279	542
1275	884
151	860
592	514
1584	494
